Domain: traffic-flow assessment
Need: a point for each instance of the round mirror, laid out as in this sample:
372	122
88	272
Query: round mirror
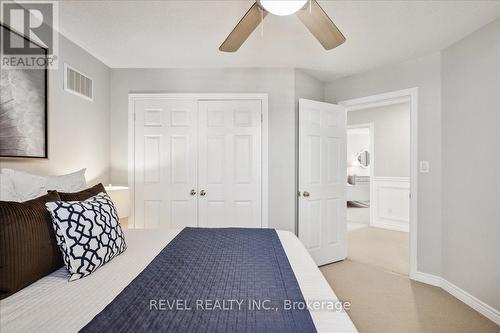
363	157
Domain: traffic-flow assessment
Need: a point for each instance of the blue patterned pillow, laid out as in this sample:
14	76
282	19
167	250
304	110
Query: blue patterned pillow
88	233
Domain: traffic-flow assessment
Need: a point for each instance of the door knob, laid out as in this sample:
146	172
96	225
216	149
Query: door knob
203	193
193	192
306	194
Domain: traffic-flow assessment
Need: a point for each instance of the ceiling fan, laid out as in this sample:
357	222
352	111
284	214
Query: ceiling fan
312	16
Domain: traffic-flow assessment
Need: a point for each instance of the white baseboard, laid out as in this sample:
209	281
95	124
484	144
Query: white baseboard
433	280
475	303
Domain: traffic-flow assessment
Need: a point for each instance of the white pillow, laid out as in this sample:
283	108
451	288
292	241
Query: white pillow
28	186
7	191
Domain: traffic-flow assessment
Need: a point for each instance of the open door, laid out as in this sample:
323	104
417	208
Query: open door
322	180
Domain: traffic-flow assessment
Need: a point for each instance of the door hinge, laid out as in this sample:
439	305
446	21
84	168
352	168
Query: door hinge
134	116
261	118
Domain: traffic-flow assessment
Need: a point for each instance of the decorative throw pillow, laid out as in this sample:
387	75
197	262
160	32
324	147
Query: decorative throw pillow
28	246
29	186
7	191
88	233
82	195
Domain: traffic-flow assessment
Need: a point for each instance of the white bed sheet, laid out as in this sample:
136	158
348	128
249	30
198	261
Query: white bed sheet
53	304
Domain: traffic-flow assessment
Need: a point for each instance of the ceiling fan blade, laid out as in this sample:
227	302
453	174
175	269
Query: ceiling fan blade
243	29
320	25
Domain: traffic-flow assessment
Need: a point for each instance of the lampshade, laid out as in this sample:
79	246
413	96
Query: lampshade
121	198
282	7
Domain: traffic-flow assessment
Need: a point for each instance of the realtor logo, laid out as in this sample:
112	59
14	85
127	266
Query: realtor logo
29	34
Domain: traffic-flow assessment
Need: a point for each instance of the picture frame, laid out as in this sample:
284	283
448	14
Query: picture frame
23	107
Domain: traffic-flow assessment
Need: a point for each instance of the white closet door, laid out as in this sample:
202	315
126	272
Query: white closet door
229	163
165	163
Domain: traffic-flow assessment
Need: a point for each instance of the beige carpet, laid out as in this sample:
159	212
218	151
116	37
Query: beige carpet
385	300
379	247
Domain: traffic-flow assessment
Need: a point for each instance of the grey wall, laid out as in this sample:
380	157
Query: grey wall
278	83
458	127
391	137
471	164
78	129
424	73
308	87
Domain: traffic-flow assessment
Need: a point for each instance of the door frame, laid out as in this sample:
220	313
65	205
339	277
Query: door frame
371	127
395	97
263	97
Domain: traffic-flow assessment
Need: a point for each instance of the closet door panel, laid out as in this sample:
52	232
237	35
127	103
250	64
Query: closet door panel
165	163
229	160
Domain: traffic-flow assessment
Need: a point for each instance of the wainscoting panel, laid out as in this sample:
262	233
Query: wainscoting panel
390	204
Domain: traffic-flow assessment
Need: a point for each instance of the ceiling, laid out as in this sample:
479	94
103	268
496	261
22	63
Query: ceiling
174	34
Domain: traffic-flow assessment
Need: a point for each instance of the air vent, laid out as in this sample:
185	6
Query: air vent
78	83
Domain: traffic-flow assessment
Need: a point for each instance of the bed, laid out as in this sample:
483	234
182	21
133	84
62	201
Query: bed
54	228
52	304
358	188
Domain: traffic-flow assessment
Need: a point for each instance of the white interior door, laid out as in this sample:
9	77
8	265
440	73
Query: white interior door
322	180
165	163
229	163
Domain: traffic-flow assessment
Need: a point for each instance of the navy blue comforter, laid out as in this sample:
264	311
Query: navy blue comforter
211	280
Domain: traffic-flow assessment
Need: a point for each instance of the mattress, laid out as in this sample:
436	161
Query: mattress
52	304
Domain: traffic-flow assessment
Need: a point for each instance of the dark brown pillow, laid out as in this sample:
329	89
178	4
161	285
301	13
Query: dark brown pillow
28	246
82	195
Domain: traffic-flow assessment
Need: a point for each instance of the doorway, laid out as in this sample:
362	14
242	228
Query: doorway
360	160
383	229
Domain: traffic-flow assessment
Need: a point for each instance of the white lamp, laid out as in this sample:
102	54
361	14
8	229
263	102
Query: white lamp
121	198
282	7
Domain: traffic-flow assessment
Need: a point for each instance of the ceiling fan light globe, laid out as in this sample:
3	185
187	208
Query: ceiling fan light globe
282	7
